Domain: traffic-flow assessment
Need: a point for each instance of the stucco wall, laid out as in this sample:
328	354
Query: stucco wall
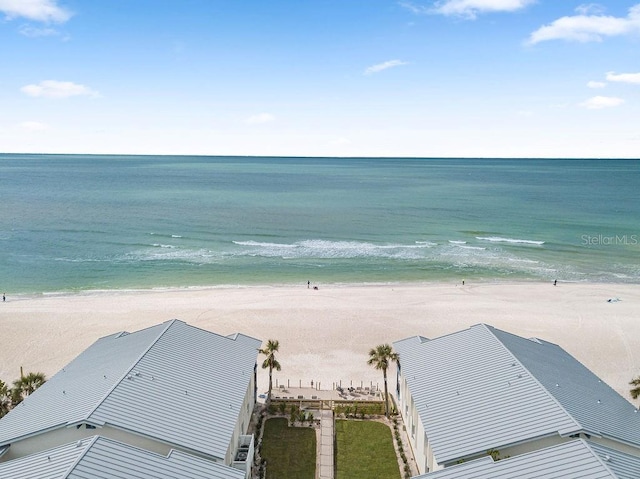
65	435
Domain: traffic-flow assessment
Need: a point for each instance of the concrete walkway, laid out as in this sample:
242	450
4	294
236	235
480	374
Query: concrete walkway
326	445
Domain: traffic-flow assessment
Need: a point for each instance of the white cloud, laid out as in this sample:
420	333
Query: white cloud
588	28
57	89
590	9
31	31
34	126
471	8
417	9
260	118
596	84
37	10
624	77
384	66
599	102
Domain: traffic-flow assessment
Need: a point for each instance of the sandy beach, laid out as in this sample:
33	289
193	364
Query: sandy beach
325	334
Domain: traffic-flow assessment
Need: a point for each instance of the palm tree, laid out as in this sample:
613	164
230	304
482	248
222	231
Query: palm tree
5	399
379	358
270	362
26	385
635	392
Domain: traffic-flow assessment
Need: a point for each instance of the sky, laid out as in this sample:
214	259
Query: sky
372	78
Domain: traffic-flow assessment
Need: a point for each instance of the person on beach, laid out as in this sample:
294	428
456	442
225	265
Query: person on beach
555	282
308	284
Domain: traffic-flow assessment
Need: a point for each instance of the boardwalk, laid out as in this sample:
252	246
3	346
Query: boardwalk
325	459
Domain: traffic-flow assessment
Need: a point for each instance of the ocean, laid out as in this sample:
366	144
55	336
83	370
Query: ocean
77	223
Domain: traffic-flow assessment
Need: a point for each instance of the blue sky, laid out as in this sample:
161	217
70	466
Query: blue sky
487	78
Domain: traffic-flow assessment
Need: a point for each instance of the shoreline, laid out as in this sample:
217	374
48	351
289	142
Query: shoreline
325	334
21	296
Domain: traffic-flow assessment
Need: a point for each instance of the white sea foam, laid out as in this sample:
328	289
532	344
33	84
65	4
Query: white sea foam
426	244
265	245
457	242
448	255
491	259
326	249
165	235
198	256
499	239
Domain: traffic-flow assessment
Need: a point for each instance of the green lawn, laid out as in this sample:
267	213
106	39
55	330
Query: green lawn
365	451
290	452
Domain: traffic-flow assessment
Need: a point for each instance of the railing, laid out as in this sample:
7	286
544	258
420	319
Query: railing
300	383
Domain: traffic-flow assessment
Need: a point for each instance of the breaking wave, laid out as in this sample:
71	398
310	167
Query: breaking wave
499	239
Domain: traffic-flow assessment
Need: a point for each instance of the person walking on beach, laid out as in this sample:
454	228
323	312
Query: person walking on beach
308	284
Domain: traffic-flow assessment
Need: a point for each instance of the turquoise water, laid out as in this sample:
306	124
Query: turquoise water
71	223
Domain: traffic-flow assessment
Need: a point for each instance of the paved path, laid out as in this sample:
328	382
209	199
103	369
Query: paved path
326	444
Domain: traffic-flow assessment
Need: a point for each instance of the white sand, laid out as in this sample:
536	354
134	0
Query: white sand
325	335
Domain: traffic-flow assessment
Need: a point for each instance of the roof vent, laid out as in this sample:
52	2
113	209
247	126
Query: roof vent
79	443
129	376
607	457
137	373
557	385
599	402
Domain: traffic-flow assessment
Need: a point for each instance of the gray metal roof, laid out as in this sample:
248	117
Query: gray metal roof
99	457
576	459
482	388
173	382
598	408
624	466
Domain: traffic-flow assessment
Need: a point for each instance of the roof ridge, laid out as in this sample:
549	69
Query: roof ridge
133	365
490	329
80	456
